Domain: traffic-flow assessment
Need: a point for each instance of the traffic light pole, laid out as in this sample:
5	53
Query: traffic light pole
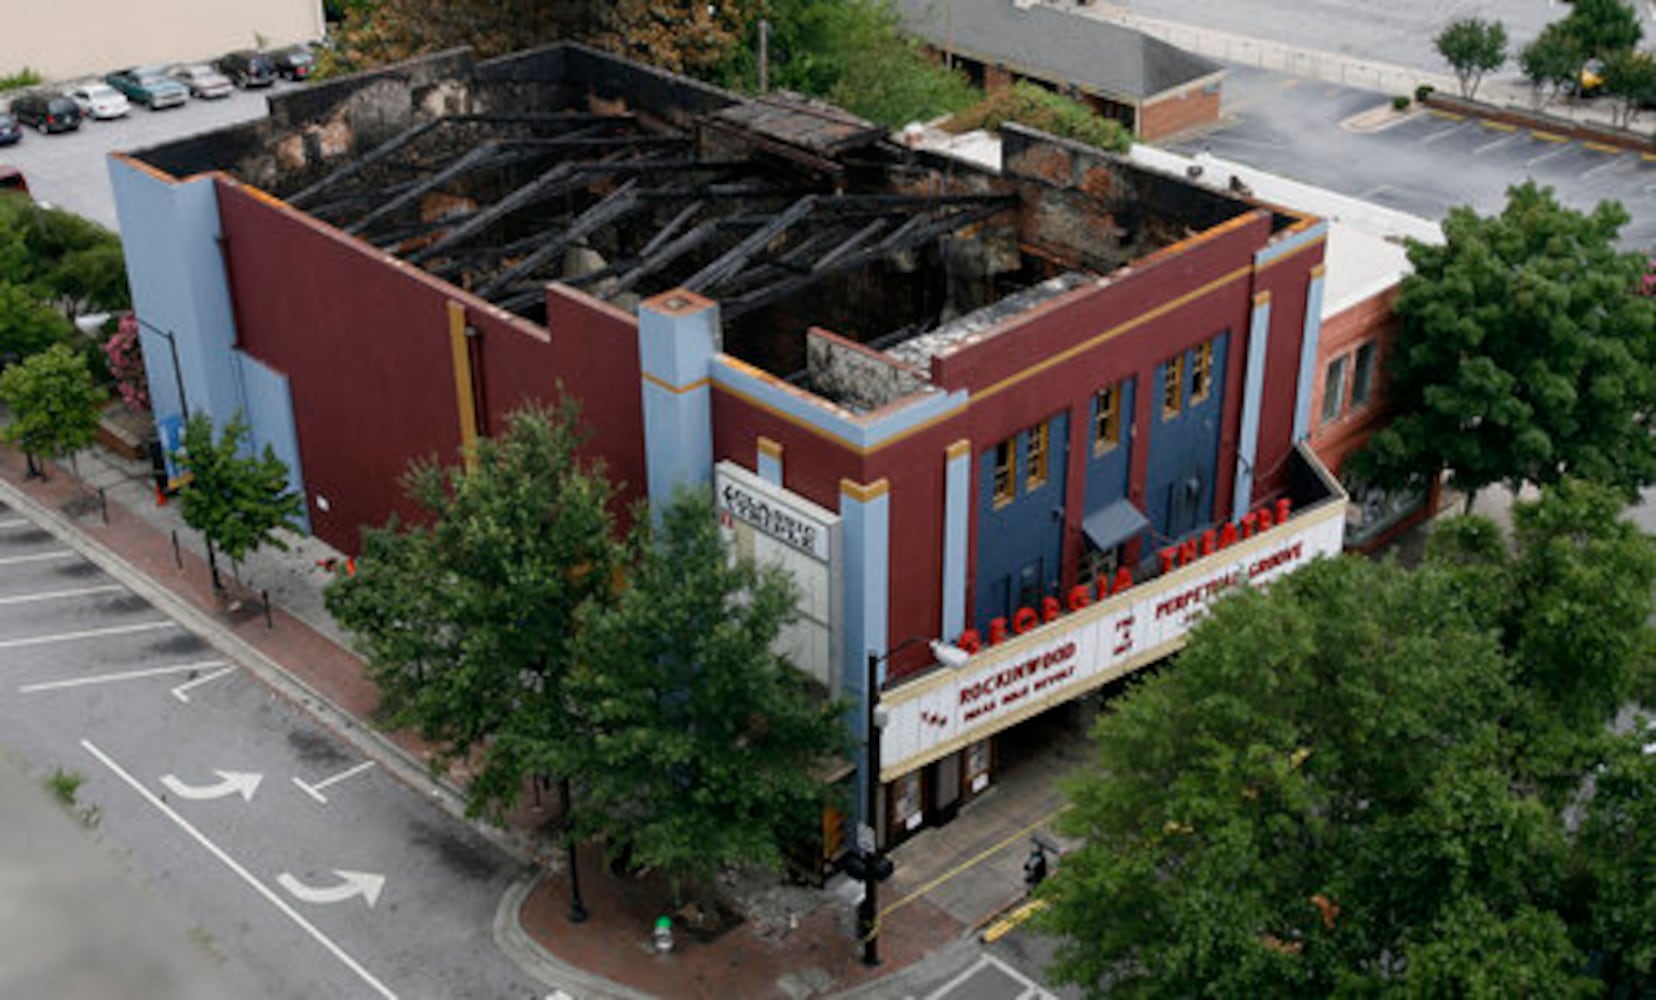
868	913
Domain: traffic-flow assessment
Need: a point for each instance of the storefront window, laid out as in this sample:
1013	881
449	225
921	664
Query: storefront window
906	810
977	766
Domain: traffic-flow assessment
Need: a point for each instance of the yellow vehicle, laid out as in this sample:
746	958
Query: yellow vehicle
1591	78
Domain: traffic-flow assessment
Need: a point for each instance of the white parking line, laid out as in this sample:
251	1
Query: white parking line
1435	136
39	557
125	675
91	633
242	873
178	692
15	522
1495	143
58	595
1532	161
315	791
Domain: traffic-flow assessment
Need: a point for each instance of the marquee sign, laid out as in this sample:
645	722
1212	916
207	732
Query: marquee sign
1004	684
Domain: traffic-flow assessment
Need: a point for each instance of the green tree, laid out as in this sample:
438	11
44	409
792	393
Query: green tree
853	53
468	619
1630	79
700	745
236	498
66	261
1551	63
27	326
1472	47
1525	354
1616	867
1316	791
53	404
1601	27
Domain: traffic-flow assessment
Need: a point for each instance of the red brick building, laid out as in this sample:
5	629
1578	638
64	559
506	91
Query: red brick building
1046	413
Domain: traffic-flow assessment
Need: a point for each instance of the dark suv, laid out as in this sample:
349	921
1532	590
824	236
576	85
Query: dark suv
247	69
294	63
47	112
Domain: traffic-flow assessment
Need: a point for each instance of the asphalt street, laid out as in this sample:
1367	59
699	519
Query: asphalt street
303	867
67	169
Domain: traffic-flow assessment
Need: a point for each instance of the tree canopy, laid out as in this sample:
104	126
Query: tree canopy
53	402
468	619
1473	47
235	497
1600	27
1552	63
1332	791
61	259
1525	354
698	745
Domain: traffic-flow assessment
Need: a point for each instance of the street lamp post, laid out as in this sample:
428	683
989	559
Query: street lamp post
868	848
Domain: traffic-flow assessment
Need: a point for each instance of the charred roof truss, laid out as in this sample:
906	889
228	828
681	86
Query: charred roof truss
497	203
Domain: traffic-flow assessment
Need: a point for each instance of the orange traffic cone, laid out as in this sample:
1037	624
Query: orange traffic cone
160	496
350	567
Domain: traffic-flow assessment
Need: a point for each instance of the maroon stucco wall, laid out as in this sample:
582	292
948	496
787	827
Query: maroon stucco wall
364	343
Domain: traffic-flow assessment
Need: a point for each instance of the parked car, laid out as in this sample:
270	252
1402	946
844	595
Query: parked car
149	86
47	112
247	68
99	100
202	80
294	63
11	179
9	130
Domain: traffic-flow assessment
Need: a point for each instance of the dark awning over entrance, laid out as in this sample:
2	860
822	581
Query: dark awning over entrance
1109	526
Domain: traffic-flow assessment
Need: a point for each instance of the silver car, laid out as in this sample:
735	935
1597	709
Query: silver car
100	101
202	80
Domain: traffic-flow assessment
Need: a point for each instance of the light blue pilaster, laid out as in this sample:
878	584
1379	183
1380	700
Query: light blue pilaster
957	513
865	513
678	336
768	459
1253	388
1309	344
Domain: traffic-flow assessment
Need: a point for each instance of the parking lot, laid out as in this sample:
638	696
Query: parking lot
302	866
67	169
1425	163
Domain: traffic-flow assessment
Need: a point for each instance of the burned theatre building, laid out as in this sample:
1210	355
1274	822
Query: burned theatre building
1043	414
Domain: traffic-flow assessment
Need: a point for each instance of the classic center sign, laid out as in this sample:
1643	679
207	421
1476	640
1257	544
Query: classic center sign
1005	684
770	525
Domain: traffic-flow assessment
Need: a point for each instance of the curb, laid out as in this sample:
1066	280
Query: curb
535	961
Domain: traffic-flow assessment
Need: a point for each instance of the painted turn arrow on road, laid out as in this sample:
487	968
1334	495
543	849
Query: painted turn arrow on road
231	782
352	884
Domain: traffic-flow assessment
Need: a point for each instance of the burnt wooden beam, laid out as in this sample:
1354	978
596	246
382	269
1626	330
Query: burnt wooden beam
732	260
475	158
368	159
606	210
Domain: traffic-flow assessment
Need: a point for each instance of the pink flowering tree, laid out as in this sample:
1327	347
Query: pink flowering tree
126	364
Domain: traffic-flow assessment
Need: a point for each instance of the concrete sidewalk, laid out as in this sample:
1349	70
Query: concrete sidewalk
795	942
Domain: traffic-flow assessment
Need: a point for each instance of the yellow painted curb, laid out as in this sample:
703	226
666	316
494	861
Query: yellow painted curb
1548	136
1005	925
1498	126
1599	147
1648	157
1449	115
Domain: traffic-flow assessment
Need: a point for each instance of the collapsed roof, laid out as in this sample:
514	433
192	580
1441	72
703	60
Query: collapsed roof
567	165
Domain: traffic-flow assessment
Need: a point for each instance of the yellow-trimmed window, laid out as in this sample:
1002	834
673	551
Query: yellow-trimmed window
1006	469
1035	456
1106	419
1173	387
1201	373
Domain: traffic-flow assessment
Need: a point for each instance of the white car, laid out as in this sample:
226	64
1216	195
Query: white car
100	100
202	80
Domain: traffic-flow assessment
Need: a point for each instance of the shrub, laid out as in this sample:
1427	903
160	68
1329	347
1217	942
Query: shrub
1423	91
1400	102
24	77
1037	107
